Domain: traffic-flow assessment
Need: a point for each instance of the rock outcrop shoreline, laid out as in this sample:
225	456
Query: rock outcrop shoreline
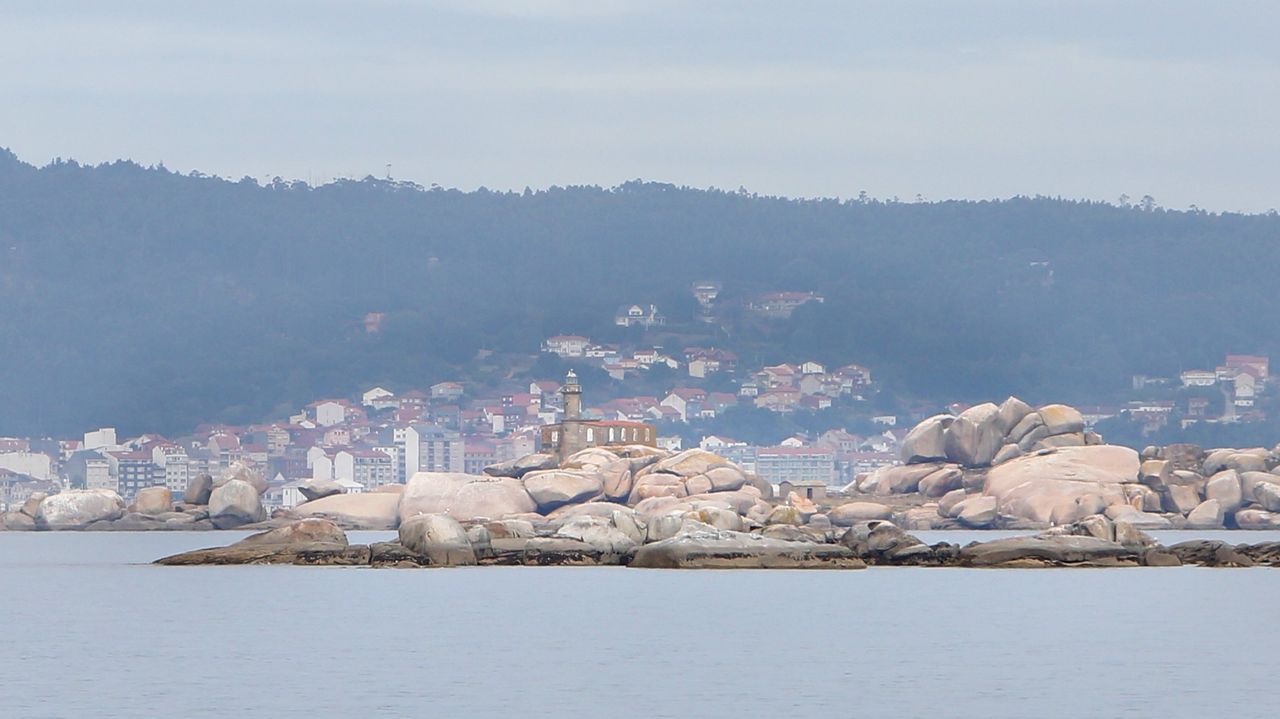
437	540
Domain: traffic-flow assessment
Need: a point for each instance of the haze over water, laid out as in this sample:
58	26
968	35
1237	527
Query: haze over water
94	631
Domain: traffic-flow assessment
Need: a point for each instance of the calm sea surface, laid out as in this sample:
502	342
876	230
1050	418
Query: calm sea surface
90	630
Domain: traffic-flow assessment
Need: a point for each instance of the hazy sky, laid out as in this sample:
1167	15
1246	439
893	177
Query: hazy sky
1178	100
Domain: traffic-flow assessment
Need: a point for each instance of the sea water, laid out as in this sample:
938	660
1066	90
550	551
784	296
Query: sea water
89	629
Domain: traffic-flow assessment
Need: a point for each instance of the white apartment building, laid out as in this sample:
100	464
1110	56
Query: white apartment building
431	449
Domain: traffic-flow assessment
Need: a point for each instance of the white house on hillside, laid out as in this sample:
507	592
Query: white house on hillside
566	345
329	413
633	315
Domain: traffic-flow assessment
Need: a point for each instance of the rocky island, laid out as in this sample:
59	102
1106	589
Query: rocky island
1006	466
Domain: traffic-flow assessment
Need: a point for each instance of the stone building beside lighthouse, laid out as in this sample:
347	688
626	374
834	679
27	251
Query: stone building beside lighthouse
574	433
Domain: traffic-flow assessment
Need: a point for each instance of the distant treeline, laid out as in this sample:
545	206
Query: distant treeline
155	300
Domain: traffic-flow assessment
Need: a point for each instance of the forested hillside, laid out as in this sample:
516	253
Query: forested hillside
153	300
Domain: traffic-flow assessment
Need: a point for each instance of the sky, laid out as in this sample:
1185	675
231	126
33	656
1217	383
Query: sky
1177	100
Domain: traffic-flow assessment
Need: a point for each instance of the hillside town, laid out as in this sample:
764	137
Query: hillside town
1229	393
383	437
672	377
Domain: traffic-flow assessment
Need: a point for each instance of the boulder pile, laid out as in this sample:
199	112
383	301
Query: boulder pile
1013	466
229	502
637	482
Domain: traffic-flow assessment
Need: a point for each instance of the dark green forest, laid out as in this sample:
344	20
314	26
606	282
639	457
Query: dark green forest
153	300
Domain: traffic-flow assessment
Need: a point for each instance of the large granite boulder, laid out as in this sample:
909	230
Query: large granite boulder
716	518
1225	487
978	511
590	459
1267	495
927	441
627	523
1210	553
727	478
1248	461
616	479
902	479
739	501
439	538
16	522
243	472
1006	453
1062	419
884	543
662	526
1030	423
564	552
1156	473
517	468
1063	485
938	483
78	508
1128	514
587	509
697	484
1208	515
1250	481
1143	498
1048	550
1257	519
365	510
1071	439
655	506
464	497
311	529
32	505
557	487
806	506
974	437
320	488
850	513
948	502
1012	411
1180	498
1215	461
199	488
599	533
481	541
235	503
793	534
153	500
786	514
510	529
723	550
689	463
656	484
1031	440
315	543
